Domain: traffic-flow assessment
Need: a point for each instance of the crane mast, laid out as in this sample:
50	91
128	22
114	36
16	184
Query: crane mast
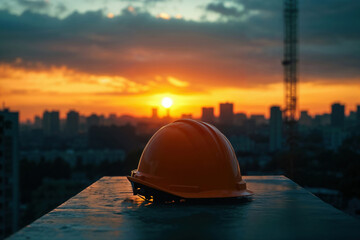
290	68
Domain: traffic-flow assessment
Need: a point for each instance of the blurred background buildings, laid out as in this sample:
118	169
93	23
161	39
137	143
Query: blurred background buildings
49	159
9	172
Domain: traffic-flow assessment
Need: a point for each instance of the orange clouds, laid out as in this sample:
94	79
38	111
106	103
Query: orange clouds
32	90
176	82
62	80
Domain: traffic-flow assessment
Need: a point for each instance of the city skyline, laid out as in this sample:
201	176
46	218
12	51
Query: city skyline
211	114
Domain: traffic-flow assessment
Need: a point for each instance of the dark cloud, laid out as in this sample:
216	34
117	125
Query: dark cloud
319	21
33	4
221	9
232	53
270	6
60	8
135	46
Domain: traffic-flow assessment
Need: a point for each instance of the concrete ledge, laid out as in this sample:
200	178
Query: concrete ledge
280	209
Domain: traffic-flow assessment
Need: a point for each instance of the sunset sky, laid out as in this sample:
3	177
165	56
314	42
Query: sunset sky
123	57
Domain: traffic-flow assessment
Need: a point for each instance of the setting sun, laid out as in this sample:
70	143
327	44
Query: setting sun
166	102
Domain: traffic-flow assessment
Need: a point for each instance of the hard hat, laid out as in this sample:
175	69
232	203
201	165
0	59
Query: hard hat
189	159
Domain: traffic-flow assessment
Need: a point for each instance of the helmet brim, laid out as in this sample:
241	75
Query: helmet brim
196	195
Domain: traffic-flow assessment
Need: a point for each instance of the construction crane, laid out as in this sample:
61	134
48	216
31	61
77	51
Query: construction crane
290	72
290	63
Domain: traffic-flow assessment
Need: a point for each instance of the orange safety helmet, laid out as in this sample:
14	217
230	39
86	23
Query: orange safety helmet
189	159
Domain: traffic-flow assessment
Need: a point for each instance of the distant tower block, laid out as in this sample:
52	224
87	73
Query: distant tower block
72	123
337	115
186	116
154	113
226	113
51	123
290	67
305	119
9	172
208	114
358	115
275	128
37	122
240	119
92	120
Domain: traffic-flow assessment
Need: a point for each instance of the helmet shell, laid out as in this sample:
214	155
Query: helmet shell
190	159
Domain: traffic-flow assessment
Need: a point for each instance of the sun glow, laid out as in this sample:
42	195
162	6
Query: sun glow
166	102
31	91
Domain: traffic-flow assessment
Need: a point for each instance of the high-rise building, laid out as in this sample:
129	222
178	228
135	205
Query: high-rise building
226	113
92	120
352	116
46	122
250	126
240	119
37	122
333	138
102	120
337	115
207	114
186	116
275	128
322	120
112	119
259	119
83	123
72	123
154	113
305	119
51	123
9	172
